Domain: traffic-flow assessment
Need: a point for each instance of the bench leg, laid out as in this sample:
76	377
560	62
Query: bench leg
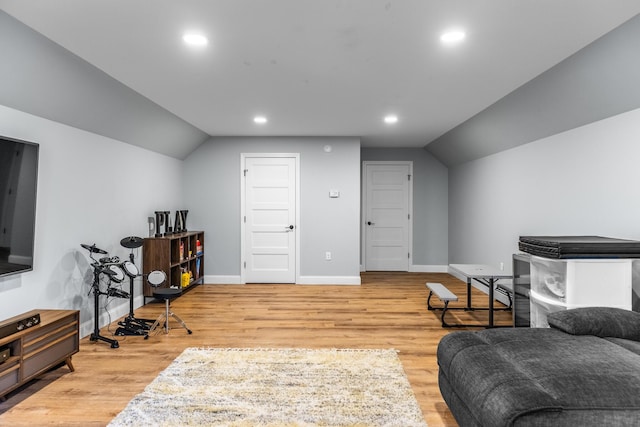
444	310
507	293
429	306
455	325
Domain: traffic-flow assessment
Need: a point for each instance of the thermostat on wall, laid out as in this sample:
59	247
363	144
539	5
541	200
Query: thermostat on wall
334	194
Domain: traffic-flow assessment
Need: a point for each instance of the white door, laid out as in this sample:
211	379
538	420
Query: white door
387	215
269	220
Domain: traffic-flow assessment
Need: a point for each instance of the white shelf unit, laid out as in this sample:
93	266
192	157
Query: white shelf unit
561	284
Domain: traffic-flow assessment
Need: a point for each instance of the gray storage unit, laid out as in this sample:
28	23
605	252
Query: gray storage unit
521	287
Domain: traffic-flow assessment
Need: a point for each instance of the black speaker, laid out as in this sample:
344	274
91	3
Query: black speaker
16	325
4	354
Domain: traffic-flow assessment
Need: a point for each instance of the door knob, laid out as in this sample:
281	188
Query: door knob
370	223
290	227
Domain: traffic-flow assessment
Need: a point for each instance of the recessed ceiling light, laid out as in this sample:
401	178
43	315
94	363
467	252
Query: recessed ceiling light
260	120
453	36
391	119
193	39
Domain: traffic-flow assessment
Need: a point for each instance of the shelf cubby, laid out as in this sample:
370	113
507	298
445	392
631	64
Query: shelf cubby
172	254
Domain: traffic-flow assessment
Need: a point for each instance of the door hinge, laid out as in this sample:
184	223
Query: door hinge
245	172
245	264
408	216
245	219
409	177
409	255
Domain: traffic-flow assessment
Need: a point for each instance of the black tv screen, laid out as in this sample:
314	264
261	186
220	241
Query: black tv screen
18	184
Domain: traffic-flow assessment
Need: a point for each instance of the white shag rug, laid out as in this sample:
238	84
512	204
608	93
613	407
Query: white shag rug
277	387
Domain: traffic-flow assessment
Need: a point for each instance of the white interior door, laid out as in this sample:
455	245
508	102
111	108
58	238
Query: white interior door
387	219
269	221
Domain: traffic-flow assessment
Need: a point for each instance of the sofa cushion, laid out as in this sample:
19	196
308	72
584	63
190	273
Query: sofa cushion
509	376
598	321
630	345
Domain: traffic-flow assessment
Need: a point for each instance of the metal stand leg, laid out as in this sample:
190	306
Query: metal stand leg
444	311
166	323
130	325
165	317
153	327
95	336
175	316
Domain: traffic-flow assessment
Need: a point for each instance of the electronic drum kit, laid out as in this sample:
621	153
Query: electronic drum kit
116	272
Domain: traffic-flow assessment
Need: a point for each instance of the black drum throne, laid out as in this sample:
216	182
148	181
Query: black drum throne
155	279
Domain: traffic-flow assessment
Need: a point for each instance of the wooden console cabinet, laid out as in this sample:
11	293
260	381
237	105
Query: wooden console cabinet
35	350
173	254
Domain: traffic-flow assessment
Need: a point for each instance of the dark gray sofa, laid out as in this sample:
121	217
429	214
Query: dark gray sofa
583	371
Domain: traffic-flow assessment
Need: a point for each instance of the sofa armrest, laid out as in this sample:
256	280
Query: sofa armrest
598	321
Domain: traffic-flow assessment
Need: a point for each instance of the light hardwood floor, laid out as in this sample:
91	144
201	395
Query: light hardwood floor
387	311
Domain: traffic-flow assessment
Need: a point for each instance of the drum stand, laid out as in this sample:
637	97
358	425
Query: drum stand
130	325
95	286
95	336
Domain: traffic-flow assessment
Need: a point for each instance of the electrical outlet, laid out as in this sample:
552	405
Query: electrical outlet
327	256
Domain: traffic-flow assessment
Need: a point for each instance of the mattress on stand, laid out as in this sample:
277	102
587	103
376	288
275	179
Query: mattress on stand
579	247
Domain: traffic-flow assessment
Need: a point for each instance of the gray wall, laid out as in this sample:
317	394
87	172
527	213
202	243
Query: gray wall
91	189
94	186
430	203
580	182
212	193
42	78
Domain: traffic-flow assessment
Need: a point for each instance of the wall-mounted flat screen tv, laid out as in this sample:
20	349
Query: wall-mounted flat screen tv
18	184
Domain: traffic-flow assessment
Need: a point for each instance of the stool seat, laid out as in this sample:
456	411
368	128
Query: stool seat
167	293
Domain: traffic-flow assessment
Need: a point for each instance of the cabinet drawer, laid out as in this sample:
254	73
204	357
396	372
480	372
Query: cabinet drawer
48	335
56	352
9	376
541	307
605	282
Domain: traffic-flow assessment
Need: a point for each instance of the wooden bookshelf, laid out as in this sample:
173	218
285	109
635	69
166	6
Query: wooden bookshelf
173	254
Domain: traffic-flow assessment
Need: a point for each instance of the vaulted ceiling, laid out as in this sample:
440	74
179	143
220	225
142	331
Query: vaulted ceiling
330	68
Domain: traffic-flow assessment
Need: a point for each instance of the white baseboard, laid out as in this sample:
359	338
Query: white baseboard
303	280
222	280
422	268
429	268
329	280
